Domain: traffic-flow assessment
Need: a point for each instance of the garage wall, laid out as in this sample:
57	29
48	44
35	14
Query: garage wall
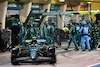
12	12
95	6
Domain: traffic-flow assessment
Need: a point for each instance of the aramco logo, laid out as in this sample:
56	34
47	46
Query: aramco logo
35	6
12	5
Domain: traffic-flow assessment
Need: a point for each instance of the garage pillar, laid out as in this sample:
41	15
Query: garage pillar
25	12
45	6
3	11
75	17
61	20
94	6
89	9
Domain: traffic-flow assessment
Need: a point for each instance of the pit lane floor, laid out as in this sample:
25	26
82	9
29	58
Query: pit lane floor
64	59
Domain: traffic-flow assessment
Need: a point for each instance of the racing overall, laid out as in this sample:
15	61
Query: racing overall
84	37
72	38
90	27
95	36
77	35
52	32
45	34
21	36
36	31
31	32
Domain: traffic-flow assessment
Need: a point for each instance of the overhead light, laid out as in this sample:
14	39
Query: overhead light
46	0
89	2
62	0
82	3
97	9
72	14
53	2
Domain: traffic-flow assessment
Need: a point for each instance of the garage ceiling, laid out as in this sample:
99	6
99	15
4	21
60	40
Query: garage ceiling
73	2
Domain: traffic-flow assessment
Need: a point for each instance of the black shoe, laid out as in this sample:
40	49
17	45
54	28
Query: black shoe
56	46
89	49
83	50
79	44
99	46
0	51
77	49
66	48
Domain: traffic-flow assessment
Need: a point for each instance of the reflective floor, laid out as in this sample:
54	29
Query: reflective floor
69	58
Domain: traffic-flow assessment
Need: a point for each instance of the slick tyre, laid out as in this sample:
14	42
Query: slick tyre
13	57
54	60
14	62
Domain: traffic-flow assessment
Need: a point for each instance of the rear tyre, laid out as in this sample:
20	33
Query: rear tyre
53	60
15	63
13	57
58	40
52	54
